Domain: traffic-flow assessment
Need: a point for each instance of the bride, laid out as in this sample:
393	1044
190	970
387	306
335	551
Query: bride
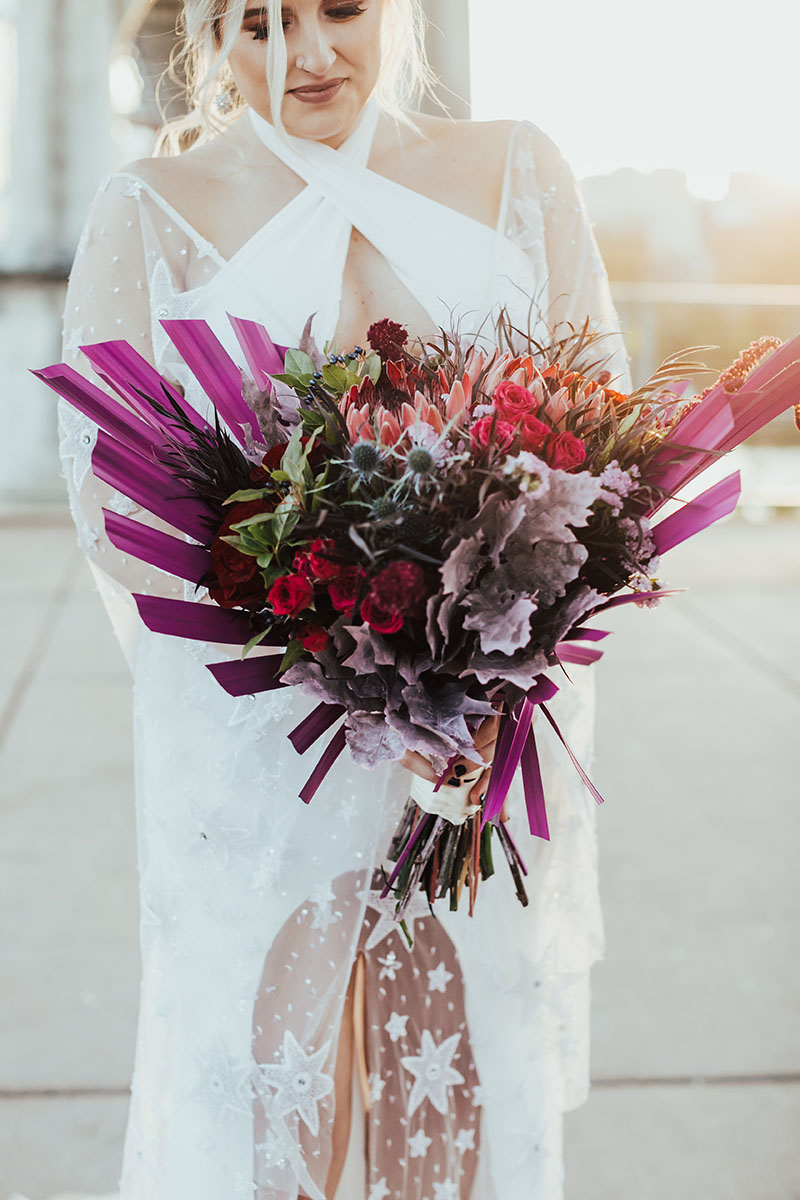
291	1043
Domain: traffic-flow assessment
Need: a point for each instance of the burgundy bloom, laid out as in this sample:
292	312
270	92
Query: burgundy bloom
382	620
235	580
344	590
512	402
565	452
313	637
402	586
494	432
387	338
290	594
321	565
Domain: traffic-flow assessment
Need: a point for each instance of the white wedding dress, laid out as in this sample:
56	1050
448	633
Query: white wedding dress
254	906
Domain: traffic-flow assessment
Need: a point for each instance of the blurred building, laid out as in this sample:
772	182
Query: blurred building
83	84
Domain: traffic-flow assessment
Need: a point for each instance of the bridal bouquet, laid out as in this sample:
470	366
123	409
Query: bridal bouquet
422	534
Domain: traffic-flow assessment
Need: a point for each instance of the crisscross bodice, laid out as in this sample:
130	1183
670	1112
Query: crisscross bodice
451	264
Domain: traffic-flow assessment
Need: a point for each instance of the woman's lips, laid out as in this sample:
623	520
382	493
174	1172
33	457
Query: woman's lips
318	94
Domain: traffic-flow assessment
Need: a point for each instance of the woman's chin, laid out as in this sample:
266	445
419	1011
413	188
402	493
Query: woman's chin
322	122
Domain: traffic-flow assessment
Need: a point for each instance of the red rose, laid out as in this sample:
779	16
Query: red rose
565	452
403	586
322	566
343	591
492	431
512	402
301	564
272	459
290	594
534	434
235	580
382	620
313	637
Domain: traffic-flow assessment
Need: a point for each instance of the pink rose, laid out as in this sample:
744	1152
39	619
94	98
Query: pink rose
290	594
512	401
534	434
565	452
494	432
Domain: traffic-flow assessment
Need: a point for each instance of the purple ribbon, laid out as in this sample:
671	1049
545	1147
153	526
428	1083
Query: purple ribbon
101	408
190	619
215	371
247	676
161	550
151	486
534	788
130	374
712	504
314	725
573	759
263	357
329	755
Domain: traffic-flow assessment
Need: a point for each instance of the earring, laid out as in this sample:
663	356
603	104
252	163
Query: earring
224	103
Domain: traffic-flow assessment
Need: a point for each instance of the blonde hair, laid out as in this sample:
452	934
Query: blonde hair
209	29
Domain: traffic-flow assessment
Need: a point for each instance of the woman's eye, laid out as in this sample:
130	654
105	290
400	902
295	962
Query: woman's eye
348	10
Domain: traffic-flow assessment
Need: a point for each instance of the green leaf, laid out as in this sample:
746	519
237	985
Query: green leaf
254	641
374	366
312	420
336	378
294	652
247	494
299	363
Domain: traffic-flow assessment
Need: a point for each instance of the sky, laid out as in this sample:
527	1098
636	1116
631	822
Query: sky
705	86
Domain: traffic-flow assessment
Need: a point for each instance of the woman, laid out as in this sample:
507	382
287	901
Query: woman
279	1000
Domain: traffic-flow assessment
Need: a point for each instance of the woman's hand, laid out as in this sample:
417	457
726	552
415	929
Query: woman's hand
485	746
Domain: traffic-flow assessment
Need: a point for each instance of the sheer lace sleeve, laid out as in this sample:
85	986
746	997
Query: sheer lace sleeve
109	297
546	215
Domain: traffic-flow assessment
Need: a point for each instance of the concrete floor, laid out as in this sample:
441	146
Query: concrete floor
696	1039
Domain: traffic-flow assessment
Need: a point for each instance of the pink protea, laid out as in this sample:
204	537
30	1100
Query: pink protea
421	410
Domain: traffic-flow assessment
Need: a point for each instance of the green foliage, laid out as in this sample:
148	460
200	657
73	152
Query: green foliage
294	652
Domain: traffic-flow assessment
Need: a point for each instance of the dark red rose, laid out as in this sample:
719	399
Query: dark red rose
344	590
290	594
387	338
513	402
313	637
403	585
494	432
274	456
272	459
301	564
565	452
382	620
258	477
534	434
320	562
235	580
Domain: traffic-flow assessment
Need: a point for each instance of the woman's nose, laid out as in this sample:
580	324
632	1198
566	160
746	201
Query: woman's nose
313	51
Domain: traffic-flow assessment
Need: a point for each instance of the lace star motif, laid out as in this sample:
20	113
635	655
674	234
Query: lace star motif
396	1027
433	1072
439	979
385	907
299	1080
418	1144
